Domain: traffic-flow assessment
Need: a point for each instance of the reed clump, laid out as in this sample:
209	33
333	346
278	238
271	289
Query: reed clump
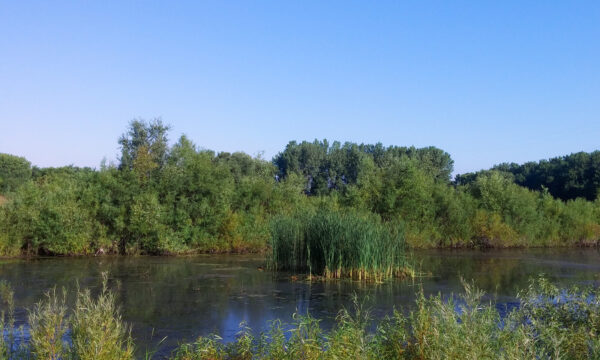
336	244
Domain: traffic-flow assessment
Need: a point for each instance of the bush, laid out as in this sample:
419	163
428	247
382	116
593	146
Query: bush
97	331
93	330
48	325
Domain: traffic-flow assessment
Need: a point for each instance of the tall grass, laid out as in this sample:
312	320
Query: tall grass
338	244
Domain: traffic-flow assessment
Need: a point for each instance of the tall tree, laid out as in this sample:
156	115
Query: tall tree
144	147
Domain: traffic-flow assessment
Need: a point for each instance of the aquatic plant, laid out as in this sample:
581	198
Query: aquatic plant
97	330
336	244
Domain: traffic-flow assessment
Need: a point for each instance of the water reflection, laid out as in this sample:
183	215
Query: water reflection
181	298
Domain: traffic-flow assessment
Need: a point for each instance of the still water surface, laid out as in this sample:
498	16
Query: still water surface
181	298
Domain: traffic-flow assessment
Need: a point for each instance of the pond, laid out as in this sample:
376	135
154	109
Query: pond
181	298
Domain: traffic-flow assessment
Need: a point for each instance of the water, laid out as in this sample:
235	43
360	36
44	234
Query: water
181	298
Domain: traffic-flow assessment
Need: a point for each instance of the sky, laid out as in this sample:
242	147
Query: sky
488	82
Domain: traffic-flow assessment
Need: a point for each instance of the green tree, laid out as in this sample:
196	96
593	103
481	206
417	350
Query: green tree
144	147
14	171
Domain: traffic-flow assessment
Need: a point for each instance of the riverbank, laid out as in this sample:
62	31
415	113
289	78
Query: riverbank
266	251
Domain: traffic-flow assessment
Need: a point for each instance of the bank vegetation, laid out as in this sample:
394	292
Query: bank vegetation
349	204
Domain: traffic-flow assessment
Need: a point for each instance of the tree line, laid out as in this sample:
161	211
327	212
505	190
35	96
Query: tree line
566	177
162	199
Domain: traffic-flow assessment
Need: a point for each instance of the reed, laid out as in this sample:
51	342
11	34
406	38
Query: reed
337	244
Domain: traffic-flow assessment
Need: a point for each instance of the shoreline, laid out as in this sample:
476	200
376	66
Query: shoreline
265	252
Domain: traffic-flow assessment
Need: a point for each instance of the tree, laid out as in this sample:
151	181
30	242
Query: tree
566	177
14	171
333	167
144	147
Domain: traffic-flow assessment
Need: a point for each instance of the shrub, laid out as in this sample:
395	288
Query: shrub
48	325
97	331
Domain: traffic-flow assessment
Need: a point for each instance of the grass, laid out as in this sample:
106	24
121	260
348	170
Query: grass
334	245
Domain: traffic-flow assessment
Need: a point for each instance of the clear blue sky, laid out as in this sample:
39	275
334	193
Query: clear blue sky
486	81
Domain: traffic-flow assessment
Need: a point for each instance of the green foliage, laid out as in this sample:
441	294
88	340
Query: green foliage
177	199
49	216
144	147
565	322
48	325
97	331
512	205
334	167
566	177
333	244
93	330
579	222
454	210
456	329
14	171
